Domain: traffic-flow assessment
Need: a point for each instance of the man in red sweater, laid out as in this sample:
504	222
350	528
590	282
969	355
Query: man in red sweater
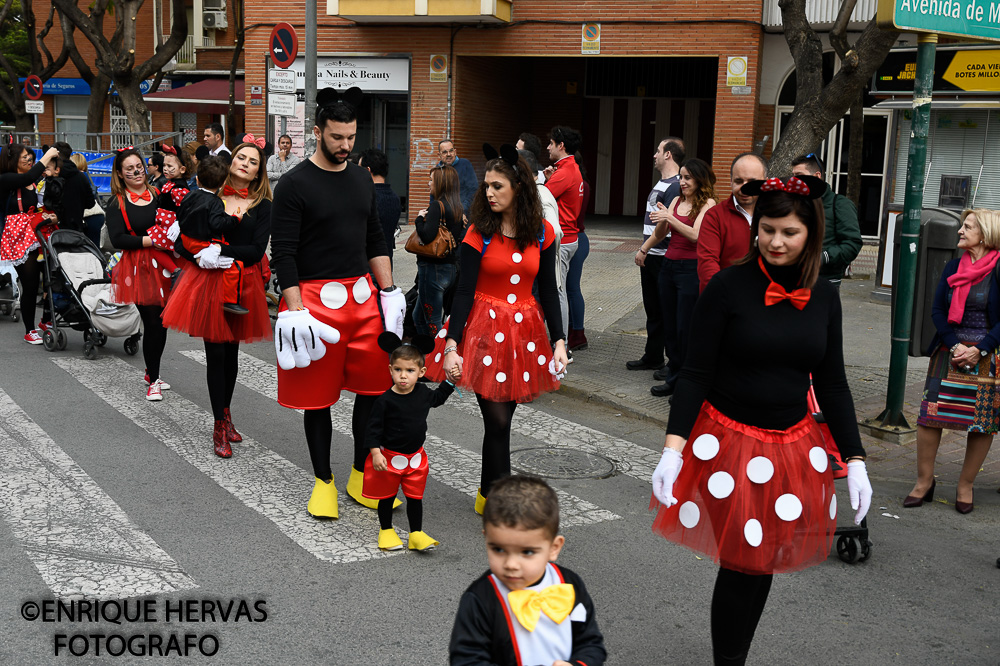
725	232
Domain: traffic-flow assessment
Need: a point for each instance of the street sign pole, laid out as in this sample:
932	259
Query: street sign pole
310	119
909	237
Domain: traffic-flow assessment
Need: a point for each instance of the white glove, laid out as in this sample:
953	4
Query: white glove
298	338
560	373
859	488
173	231
664	476
209	257
393	310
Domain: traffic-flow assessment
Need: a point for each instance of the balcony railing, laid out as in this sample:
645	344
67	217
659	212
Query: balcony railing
185	56
418	11
822	12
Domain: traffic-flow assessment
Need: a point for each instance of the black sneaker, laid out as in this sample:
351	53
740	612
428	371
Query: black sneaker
643	364
662	390
235	308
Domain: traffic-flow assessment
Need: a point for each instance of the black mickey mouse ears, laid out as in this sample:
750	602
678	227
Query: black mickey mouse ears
508	154
390	342
806	186
329	96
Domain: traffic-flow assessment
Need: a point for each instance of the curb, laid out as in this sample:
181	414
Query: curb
588	397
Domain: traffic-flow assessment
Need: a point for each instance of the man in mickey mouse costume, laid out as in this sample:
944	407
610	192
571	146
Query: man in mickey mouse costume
325	240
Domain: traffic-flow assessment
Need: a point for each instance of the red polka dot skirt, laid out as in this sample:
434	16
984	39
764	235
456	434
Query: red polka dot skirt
754	500
19	238
143	277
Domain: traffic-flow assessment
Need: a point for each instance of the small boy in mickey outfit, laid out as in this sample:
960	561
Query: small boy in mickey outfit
203	220
525	610
396	431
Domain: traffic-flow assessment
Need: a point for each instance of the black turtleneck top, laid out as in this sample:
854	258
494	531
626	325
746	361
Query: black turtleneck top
752	362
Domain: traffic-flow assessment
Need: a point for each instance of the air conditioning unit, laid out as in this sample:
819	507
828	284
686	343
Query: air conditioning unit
214	5
215	20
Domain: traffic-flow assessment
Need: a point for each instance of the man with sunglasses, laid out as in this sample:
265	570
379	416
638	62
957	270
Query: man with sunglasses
842	240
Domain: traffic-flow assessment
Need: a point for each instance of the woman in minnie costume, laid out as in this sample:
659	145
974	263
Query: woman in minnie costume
495	342
142	276
196	304
18	174
756	494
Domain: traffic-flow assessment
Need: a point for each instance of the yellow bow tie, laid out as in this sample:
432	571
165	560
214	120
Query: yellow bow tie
556	600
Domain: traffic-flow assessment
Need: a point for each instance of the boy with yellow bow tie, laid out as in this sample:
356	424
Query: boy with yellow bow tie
525	611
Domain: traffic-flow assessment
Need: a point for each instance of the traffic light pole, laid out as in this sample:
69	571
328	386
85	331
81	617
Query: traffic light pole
909	237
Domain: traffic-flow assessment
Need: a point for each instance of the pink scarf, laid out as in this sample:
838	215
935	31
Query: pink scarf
967	275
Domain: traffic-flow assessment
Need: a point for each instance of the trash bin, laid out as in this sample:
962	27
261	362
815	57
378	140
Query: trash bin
937	246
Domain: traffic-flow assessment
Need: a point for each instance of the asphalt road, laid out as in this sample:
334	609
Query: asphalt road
103	494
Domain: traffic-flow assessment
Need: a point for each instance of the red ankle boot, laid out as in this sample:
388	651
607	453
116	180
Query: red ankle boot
222	448
231	434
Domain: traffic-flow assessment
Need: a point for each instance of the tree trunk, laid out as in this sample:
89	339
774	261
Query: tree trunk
95	110
134	107
855	150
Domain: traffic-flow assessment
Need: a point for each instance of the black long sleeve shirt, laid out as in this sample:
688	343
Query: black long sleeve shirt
247	241
427	229
203	216
10	183
324	224
752	362
399	422
140	218
77	196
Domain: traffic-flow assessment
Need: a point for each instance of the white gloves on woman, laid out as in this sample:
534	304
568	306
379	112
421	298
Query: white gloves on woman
860	489
393	310
664	476
210	258
173	231
298	338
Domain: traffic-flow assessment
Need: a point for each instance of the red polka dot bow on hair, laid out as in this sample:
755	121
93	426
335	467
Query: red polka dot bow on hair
794	186
249	138
125	148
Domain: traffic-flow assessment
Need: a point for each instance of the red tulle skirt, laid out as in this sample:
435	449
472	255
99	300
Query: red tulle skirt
195	307
505	351
757	501
143	277
19	238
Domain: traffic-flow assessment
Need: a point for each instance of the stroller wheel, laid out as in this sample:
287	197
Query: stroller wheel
849	549
15	317
100	339
132	345
61	340
4	309
49	340
89	351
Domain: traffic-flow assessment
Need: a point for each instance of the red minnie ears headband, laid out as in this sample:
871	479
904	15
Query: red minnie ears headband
806	186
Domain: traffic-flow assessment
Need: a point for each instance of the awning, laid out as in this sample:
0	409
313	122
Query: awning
207	96
970	104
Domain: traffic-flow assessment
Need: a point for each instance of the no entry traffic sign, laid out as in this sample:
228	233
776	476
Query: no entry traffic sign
284	45
33	87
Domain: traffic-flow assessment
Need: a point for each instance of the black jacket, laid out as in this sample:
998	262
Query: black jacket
76	197
202	216
481	637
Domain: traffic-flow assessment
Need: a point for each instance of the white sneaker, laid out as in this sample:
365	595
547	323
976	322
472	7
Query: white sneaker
153	392
163	385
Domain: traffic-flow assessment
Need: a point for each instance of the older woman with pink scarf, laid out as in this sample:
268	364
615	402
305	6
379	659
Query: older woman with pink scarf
961	389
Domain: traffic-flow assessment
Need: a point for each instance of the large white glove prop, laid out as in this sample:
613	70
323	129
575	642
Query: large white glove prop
859	488
664	476
393	310
298	338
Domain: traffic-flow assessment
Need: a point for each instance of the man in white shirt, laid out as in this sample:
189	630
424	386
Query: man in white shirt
215	140
282	161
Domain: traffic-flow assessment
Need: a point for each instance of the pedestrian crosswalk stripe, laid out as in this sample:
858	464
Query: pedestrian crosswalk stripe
451	464
261	479
81	542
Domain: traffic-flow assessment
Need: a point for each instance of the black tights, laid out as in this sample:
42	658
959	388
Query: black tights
497	417
737	604
30	274
222	366
414	513
319	435
154	338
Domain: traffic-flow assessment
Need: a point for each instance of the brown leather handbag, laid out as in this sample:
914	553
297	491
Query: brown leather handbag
440	247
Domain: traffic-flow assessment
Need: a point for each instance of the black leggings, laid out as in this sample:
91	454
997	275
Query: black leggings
30	274
737	604
222	366
319	435
414	513
154	338
497	417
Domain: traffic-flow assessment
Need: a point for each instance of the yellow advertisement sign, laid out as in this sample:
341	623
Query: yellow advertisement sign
975	70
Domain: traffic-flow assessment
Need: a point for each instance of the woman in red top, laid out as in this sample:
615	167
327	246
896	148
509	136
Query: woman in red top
495	342
679	275
142	275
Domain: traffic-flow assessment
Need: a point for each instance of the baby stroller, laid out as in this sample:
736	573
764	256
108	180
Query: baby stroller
9	290
78	285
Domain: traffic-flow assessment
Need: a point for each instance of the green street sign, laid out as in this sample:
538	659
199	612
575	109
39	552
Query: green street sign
975	19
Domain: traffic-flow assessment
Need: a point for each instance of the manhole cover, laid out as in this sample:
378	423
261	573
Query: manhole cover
554	463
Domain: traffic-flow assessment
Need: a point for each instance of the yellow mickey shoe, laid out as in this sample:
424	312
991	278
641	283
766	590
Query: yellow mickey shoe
389	540
422	541
323	502
480	501
355	483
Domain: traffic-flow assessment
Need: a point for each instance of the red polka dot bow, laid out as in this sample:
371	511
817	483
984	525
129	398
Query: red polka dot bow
794	186
121	150
259	142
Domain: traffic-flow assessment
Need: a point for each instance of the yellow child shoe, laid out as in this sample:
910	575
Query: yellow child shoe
355	483
323	502
389	540
480	501
422	541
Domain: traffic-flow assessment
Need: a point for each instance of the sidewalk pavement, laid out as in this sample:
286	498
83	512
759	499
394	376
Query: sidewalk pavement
615	325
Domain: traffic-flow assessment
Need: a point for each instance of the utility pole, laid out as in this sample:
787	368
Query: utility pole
311	50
